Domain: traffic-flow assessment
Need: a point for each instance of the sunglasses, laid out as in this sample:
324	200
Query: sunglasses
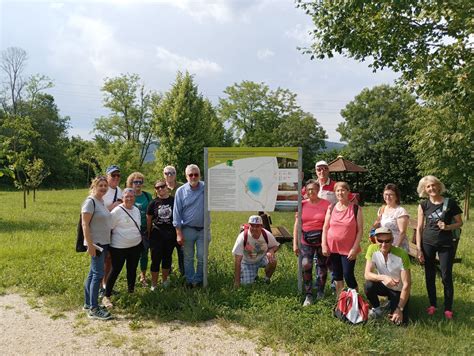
193	175
115	175
137	182
160	187
320	169
384	241
170	174
311	189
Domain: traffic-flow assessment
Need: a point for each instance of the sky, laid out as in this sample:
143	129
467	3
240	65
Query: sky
221	42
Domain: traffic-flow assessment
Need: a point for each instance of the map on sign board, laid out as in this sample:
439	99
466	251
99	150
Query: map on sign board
252	179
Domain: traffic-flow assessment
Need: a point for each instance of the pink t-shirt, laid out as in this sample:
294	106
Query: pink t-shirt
312	215
342	230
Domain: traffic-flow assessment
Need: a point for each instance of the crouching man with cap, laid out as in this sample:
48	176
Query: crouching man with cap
254	248
393	278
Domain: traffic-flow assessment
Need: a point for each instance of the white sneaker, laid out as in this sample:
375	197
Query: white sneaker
152	288
376	313
308	300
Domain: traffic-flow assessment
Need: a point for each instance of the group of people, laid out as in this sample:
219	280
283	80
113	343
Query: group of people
331	230
124	227
330	226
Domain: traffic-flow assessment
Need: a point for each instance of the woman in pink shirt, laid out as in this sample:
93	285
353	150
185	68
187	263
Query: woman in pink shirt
342	232
313	211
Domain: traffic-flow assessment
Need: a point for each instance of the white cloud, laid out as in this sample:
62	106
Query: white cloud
300	33
265	53
219	10
173	62
89	46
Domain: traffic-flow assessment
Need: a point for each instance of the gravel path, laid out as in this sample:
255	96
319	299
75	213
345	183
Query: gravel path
30	330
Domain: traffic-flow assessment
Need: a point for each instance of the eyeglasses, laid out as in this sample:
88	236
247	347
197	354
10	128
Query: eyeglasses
160	187
137	182
170	174
193	175
320	169
115	175
384	241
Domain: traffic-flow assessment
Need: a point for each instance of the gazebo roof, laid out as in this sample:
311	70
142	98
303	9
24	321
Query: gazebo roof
343	165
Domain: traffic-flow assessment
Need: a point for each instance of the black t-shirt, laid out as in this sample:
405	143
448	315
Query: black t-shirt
162	211
432	235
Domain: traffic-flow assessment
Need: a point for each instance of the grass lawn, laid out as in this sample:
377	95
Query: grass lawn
37	255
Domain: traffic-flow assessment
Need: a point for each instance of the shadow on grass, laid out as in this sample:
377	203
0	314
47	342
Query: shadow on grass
26	226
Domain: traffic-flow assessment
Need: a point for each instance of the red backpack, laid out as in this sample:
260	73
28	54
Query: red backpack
351	307
245	229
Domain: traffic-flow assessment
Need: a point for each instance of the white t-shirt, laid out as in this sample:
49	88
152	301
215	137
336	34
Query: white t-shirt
109	196
124	231
389	220
255	248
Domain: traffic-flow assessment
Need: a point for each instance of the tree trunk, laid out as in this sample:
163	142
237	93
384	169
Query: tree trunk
467	198
34	195
24	198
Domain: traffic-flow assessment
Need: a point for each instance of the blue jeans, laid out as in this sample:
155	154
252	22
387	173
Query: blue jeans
92	283
193	237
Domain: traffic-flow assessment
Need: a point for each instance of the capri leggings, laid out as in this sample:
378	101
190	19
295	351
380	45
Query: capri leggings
162	243
342	268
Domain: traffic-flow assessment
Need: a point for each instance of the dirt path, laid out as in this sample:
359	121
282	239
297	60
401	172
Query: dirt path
30	330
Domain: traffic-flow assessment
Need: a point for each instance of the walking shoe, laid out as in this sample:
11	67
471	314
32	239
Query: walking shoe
431	310
101	292
375	313
143	282
320	295
308	300
86	307
448	314
166	283
99	314
266	280
153	288
107	303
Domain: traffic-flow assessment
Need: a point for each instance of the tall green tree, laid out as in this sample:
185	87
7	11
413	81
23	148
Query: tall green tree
185	124
377	131
129	120
429	42
261	117
443	143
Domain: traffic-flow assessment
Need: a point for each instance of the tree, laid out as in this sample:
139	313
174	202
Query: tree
427	41
12	64
16	134
443	143
377	130
262	117
185	124
35	172
130	118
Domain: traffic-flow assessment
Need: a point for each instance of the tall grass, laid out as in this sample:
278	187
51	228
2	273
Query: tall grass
37	255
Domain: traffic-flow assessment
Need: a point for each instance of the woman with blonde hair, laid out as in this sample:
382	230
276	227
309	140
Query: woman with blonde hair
437	218
342	231
96	225
142	199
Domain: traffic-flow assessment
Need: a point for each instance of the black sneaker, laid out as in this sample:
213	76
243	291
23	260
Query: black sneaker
99	314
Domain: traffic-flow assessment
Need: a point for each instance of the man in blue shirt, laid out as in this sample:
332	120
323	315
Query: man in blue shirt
188	219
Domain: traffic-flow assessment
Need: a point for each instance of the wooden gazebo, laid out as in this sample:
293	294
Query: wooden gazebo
340	166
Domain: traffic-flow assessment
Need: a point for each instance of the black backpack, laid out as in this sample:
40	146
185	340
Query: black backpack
80	233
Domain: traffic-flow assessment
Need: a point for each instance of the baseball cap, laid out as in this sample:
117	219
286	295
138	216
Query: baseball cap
383	230
255	219
111	169
320	163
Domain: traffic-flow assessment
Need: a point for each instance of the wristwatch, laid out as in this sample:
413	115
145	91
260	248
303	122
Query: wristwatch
401	308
